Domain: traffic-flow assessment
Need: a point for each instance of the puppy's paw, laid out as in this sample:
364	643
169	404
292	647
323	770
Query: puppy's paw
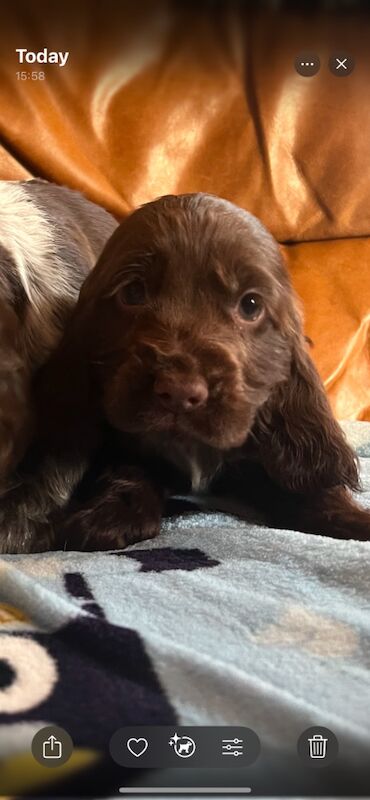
112	521
351	525
336	513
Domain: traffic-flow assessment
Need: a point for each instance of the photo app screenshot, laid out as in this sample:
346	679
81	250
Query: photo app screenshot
184	399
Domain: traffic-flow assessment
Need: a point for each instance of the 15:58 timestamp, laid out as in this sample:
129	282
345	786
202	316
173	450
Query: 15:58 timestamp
35	75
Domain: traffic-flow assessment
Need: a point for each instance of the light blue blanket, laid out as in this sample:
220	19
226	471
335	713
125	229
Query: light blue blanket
226	622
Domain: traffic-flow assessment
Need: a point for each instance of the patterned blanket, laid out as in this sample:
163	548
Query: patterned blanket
217	621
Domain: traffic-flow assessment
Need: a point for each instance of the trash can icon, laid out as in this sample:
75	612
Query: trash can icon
317	745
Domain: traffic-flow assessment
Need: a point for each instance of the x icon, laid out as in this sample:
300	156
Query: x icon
341	64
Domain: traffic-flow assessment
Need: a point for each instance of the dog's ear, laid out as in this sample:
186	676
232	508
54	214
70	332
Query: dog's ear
64	398
299	442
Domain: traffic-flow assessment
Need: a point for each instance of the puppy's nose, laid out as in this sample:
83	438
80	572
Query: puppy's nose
177	395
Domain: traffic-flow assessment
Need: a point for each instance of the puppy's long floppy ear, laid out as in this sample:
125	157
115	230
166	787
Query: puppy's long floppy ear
64	397
299	442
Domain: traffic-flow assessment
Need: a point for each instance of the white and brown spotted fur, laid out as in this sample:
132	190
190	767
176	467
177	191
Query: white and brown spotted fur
50	238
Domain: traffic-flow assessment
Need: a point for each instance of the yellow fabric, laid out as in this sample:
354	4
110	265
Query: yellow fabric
22	774
160	97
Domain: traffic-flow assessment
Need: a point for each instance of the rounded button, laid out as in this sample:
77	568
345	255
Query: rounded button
52	746
318	747
341	64
307	64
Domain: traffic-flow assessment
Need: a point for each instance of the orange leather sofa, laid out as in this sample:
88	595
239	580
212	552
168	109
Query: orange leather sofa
163	97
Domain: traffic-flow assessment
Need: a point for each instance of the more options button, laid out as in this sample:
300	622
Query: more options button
307	64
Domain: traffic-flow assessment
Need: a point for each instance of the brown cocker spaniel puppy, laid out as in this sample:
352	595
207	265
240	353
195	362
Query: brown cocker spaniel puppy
184	369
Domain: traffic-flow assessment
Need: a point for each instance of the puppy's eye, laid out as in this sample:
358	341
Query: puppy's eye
134	293
251	306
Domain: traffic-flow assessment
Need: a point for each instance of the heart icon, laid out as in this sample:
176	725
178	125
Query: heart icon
137	746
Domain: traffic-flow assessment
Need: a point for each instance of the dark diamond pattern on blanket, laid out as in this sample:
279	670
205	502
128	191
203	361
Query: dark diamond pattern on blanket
163	559
77	586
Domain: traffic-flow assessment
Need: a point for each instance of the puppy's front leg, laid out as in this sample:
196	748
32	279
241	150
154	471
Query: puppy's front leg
37	493
124	506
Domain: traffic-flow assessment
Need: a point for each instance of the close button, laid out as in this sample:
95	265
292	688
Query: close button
341	64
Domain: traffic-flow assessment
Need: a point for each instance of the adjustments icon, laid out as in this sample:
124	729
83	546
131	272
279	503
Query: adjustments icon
183	746
232	747
52	746
318	747
307	64
341	64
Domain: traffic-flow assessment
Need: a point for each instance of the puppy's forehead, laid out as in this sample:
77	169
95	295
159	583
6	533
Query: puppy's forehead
200	231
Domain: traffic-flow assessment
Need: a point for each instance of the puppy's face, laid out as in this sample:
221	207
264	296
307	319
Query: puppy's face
191	328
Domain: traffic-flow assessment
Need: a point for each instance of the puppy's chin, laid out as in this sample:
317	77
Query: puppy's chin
218	431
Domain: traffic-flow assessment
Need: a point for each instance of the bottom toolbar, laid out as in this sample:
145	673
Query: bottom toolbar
165	746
